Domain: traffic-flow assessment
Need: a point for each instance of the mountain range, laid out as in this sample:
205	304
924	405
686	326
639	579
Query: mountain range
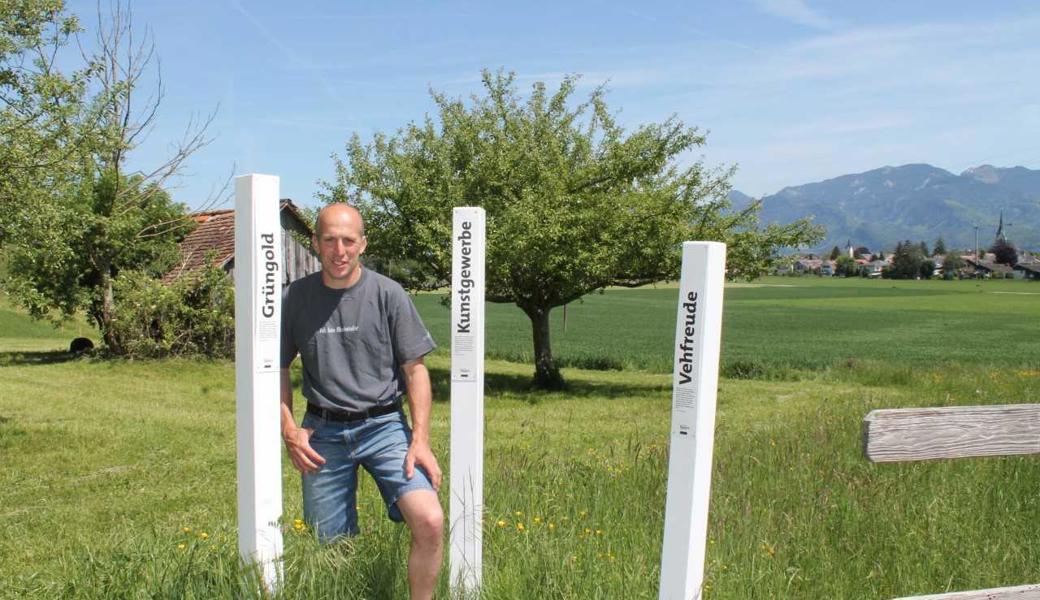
915	202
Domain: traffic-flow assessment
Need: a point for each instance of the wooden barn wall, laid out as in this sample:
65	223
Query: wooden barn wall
298	258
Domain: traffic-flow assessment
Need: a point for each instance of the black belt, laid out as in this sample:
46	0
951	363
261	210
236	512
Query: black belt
343	416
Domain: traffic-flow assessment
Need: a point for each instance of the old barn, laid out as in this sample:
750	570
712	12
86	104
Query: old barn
214	239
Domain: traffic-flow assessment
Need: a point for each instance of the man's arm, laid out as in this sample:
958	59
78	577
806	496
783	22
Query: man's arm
420	403
297	439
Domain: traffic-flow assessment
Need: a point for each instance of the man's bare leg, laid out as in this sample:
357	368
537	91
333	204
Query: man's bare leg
422	512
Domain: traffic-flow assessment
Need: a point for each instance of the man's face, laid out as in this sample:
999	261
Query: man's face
340	244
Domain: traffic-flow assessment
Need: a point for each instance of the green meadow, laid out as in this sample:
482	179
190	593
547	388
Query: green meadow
118	477
781	324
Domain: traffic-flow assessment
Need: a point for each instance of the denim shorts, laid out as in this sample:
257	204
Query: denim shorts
379	444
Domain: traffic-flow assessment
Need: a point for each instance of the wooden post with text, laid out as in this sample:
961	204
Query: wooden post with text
698	334
466	505
258	300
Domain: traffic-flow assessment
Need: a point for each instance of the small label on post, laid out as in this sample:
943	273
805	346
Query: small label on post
465	278
269	301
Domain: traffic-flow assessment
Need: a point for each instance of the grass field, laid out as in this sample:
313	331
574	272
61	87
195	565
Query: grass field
19	333
106	463
782	323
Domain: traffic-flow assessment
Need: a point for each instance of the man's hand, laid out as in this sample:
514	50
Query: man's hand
303	457
420	454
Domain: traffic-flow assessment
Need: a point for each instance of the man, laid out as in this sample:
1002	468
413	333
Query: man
362	345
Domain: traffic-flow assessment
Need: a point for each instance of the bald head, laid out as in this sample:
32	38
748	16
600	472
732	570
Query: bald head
339	240
335	211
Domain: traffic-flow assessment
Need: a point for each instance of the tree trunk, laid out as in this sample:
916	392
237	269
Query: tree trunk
105	316
546	375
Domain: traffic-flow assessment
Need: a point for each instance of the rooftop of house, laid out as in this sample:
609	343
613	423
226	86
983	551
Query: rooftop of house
214	236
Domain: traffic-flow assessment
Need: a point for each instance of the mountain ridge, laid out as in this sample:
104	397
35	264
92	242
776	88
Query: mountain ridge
917	201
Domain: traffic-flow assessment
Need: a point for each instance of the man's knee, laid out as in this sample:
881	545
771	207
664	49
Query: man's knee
423	513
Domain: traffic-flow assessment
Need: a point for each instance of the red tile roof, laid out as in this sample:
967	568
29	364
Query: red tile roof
215	234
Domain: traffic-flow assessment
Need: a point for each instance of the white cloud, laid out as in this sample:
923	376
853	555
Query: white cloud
796	11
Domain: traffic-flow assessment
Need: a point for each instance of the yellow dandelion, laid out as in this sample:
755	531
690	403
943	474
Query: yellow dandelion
520	527
583	514
501	523
203	535
768	549
587	531
297	522
552	526
518	514
599	532
186	529
181	546
537	520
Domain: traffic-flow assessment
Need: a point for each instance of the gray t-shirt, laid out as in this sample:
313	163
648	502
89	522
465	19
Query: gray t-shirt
352	341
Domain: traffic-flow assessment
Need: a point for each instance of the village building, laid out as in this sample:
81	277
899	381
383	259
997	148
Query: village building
808	265
875	267
986	268
1028	267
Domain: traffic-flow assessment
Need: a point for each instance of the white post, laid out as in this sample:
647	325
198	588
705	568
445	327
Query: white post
258	301
466	506
698	333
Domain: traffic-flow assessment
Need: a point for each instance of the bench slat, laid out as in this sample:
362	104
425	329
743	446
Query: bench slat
1023	592
906	434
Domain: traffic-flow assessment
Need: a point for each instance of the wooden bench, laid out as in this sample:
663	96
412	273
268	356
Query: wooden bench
909	434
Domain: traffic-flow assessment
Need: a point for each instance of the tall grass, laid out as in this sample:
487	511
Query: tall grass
106	463
118	478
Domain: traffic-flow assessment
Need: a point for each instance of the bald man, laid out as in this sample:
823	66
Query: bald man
362	344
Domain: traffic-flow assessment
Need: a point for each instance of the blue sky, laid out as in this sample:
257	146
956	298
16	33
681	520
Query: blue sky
790	91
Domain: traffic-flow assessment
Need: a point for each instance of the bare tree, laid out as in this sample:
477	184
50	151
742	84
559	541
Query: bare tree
87	219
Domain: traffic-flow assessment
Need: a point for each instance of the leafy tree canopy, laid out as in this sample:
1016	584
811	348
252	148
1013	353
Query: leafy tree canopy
1004	252
952	263
845	266
910	261
70	218
574	202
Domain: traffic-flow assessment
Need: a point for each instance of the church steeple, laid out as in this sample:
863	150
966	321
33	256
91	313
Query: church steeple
1000	228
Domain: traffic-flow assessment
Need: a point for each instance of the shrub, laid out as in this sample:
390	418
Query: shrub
193	316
